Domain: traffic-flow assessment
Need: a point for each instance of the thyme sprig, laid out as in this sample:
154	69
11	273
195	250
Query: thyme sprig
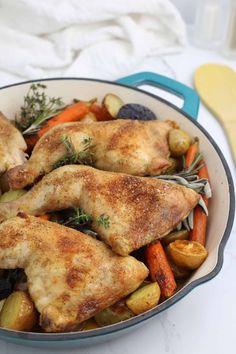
83	157
104	220
37	109
78	218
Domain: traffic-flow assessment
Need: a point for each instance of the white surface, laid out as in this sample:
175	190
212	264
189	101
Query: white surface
82	38
205	320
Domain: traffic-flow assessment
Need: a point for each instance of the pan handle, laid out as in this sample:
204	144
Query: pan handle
190	97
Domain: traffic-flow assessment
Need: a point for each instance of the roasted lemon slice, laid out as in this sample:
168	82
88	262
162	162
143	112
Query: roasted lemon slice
187	254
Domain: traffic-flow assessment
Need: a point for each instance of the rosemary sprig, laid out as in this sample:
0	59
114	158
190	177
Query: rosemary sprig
83	157
37	109
104	220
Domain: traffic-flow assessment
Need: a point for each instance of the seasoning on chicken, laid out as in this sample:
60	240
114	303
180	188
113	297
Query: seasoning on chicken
128	212
71	276
135	147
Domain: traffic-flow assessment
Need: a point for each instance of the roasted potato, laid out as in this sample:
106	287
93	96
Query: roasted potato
1	304
112	103
135	111
144	298
113	314
179	142
11	195
18	312
89	324
175	235
187	254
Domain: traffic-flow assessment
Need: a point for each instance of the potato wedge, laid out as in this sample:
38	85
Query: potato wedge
187	254
179	142
18	312
11	195
112	103
144	298
113	314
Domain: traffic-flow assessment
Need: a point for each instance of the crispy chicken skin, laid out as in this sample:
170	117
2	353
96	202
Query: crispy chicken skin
12	145
140	209
129	146
71	276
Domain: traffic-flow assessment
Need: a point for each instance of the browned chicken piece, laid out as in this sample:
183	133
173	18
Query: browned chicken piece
128	212
135	147
71	276
12	145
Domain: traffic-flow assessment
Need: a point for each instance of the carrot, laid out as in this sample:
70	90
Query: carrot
44	217
72	113
100	112
191	154
160	270
31	140
199	217
198	233
203	172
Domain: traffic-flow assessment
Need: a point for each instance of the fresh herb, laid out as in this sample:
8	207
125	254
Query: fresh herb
189	178
78	218
188	221
75	218
104	220
84	157
37	109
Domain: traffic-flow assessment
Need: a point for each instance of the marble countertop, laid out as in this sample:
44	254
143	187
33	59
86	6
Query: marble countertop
205	320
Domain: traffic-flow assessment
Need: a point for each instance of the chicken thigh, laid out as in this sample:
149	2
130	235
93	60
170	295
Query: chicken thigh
71	276
128	212
129	146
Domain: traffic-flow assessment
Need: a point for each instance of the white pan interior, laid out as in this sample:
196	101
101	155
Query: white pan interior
11	99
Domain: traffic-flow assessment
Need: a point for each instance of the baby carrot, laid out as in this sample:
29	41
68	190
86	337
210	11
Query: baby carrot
31	140
203	172
72	113
199	217
198	233
100	112
191	154
160	270
44	217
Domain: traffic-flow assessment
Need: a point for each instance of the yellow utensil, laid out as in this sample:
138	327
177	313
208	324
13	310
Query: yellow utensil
216	85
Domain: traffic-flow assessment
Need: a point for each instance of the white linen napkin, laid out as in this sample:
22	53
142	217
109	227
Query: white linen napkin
95	38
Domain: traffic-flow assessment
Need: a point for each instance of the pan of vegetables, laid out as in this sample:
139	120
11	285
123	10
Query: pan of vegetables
186	253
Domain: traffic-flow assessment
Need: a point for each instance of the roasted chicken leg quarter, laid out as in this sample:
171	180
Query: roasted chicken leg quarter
128	212
71	276
12	145
135	147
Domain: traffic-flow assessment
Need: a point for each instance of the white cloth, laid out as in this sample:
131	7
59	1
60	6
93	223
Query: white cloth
89	38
